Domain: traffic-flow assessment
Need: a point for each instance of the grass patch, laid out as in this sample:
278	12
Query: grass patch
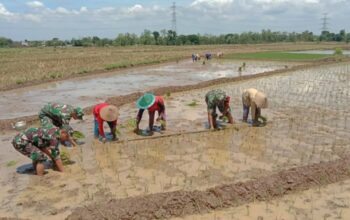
194	103
132	123
11	163
277	56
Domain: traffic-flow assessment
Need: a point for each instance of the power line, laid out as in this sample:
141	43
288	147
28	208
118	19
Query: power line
173	20
325	22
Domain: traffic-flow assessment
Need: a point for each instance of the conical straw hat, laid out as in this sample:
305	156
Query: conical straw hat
145	101
109	113
260	100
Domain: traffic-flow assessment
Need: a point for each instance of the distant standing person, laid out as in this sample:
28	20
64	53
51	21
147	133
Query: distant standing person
153	104
104	112
59	115
218	99
254	100
40	143
208	56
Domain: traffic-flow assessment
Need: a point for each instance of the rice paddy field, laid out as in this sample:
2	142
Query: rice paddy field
28	66
297	166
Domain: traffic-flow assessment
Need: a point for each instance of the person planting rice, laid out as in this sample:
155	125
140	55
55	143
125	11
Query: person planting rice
153	104
104	112
40	143
59	115
218	99
254	100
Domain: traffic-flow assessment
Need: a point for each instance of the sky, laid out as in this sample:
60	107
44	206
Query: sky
66	19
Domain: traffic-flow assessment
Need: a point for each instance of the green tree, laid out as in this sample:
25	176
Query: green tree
146	38
156	35
5	42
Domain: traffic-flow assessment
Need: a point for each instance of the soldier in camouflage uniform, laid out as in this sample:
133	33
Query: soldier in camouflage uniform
40	143
59	115
218	99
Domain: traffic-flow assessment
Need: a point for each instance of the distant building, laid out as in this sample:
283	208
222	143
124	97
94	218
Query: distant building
25	43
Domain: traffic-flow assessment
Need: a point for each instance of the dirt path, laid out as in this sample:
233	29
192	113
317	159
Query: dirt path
181	203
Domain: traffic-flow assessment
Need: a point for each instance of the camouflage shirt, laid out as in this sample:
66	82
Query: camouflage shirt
60	114
215	98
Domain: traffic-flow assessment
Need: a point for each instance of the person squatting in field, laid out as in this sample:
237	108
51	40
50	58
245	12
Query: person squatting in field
104	112
40	143
254	100
153	104
218	99
59	115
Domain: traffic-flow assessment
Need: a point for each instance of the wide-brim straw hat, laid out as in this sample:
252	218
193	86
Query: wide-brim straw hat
109	113
260	100
145	101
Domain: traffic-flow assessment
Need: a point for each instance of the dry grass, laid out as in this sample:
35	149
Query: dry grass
23	66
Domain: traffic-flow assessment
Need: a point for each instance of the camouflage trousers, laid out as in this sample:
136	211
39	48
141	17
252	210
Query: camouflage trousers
34	153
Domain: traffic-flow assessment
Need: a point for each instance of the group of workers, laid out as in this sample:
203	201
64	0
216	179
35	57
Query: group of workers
42	143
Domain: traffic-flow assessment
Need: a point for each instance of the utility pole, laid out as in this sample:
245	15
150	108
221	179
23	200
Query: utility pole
325	22
173	20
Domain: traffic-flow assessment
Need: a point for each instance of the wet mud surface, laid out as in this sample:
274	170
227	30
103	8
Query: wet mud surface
123	99
181	203
89	90
308	126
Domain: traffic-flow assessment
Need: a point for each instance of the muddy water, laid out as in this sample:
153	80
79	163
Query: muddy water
89	90
308	121
327	52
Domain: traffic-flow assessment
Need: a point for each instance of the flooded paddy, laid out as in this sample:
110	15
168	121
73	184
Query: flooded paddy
308	122
327	52
89	90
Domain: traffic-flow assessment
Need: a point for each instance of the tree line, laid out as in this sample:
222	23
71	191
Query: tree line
169	37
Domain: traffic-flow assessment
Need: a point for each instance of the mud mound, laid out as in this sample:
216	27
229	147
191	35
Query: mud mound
125	99
180	203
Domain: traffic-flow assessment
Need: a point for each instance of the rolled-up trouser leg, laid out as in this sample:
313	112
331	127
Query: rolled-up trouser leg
257	113
245	112
96	132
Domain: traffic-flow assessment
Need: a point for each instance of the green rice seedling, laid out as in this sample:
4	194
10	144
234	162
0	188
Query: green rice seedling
338	52
65	157
194	103
78	135
132	123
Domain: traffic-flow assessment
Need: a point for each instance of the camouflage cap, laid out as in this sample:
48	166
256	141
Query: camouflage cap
80	113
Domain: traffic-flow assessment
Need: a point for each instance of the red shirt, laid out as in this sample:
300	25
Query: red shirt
158	105
96	112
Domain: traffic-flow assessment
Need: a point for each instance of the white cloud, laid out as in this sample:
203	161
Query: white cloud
212	3
62	10
32	17
4	13
83	9
135	9
105	10
35	4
